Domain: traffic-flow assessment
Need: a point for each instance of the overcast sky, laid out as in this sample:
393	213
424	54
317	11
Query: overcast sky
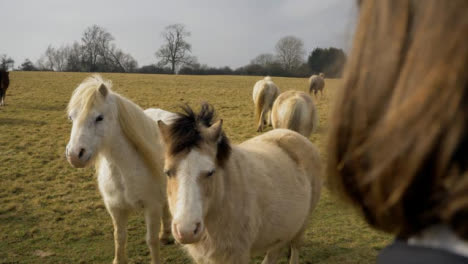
224	33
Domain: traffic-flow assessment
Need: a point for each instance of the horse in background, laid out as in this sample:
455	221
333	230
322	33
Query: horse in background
123	143
4	83
230	202
316	84
295	110
264	94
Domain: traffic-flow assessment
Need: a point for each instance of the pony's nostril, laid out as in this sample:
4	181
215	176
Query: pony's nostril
197	228
82	151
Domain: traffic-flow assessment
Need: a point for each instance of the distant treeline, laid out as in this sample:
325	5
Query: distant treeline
330	61
97	52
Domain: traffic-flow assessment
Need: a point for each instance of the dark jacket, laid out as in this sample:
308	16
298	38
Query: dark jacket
399	252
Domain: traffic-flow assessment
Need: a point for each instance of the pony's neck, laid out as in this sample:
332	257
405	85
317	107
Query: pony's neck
121	153
139	145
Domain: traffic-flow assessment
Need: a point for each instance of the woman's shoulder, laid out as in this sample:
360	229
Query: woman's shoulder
403	253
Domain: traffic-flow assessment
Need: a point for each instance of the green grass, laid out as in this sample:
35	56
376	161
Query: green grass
47	205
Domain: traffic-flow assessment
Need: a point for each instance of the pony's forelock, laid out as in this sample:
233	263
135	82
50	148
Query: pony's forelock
85	95
185	134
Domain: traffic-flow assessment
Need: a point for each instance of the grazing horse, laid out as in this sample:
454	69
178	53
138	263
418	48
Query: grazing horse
295	110
4	83
316	84
230	202
124	144
264	94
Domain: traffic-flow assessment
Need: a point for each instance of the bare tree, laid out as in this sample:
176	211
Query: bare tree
27	65
176	50
120	60
290	52
95	41
74	58
96	52
54	59
264	59
49	58
61	57
6	62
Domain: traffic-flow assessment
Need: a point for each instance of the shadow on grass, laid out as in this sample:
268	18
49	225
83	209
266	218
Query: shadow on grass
20	122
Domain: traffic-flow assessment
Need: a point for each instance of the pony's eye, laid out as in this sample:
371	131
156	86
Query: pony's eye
211	172
99	118
168	173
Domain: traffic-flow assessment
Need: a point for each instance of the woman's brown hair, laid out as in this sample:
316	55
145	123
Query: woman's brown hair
398	145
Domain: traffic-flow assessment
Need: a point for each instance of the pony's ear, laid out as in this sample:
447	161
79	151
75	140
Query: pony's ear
164	129
103	90
214	132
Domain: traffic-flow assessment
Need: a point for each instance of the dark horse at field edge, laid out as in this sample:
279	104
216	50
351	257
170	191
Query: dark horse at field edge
4	83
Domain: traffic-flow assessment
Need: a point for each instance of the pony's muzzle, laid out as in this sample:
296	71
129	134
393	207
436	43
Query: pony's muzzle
187	234
77	158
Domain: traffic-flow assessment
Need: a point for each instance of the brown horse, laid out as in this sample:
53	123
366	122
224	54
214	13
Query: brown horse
4	83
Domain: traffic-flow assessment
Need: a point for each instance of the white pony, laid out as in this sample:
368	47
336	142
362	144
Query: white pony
264	94
316	84
231	202
295	110
123	142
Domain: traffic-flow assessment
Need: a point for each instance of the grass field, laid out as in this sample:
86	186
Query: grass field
52	213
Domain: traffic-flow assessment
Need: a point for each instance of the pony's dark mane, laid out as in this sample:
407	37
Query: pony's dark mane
185	134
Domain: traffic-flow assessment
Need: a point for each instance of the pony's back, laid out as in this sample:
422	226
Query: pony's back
296	111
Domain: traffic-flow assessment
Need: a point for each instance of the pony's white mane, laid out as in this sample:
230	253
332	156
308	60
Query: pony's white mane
138	128
268	78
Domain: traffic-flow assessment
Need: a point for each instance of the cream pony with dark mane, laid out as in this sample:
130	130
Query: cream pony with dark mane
231	202
264	94
123	142
295	110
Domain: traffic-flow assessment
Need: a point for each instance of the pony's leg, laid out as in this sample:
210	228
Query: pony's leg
269	117
153	225
272	255
261	121
294	259
295	245
119	220
165	234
